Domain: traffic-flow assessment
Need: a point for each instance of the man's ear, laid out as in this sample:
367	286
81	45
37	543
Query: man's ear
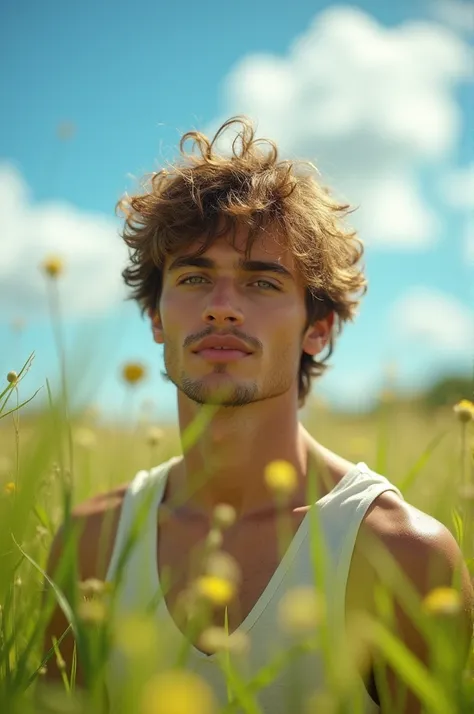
156	326
318	335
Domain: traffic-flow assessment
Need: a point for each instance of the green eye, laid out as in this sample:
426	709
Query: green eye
265	284
192	280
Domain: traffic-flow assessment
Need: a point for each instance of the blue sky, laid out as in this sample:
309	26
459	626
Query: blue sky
376	93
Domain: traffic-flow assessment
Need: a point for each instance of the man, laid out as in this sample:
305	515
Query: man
247	273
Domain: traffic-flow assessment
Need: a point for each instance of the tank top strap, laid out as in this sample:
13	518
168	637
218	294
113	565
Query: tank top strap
138	515
342	514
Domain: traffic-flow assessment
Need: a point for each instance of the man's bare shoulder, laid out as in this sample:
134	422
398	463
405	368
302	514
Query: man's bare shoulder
424	548
408	532
401	525
101	503
96	521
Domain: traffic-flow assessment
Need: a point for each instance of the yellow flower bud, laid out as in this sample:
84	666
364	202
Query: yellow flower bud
93	588
223	516
85	438
136	636
223	566
442	601
178	692
154	436
133	372
213	540
53	266
217	591
216	639
280	477
301	610
9	488
92	612
464	410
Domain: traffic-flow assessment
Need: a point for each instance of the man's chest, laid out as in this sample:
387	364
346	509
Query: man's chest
256	551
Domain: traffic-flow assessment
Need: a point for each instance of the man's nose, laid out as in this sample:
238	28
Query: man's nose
221	308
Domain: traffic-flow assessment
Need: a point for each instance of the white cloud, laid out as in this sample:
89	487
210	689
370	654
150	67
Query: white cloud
435	319
457	190
458	14
88	243
369	105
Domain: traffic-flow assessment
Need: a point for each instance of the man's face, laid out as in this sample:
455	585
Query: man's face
233	330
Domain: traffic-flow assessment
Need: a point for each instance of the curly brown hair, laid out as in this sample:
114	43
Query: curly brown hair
209	194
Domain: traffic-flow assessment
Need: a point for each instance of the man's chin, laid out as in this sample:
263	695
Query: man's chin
223	395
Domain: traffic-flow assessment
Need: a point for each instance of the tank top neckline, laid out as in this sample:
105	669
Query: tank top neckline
280	571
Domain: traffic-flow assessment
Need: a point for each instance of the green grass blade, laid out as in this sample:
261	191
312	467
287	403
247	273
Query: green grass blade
60	597
46	658
407	482
19	406
411	671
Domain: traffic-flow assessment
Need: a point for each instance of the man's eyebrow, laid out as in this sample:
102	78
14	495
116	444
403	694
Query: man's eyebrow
264	266
251	266
191	261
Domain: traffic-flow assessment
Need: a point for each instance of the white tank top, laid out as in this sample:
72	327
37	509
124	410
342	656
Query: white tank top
340	513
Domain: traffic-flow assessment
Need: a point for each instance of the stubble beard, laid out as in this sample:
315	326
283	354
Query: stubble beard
235	395
229	394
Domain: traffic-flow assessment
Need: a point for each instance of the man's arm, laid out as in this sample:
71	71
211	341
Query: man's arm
429	556
96	520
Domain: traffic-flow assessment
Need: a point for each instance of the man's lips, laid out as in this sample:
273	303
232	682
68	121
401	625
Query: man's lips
214	354
222	348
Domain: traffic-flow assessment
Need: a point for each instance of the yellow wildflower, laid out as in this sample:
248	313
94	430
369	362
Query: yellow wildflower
85	437
223	566
53	266
12	377
280	477
93	587
213	540
300	610
136	636
178	692
218	591
464	410
92	612
154	436
442	601
9	488
133	372
216	639
223	516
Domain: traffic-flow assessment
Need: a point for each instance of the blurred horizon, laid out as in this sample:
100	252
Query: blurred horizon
377	95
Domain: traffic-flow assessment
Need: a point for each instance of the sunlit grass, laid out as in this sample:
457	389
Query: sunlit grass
37	493
51	461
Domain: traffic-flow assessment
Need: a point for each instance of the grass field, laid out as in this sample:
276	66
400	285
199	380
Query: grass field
48	462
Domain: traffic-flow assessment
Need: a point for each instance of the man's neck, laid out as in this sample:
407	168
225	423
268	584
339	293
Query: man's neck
230	448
